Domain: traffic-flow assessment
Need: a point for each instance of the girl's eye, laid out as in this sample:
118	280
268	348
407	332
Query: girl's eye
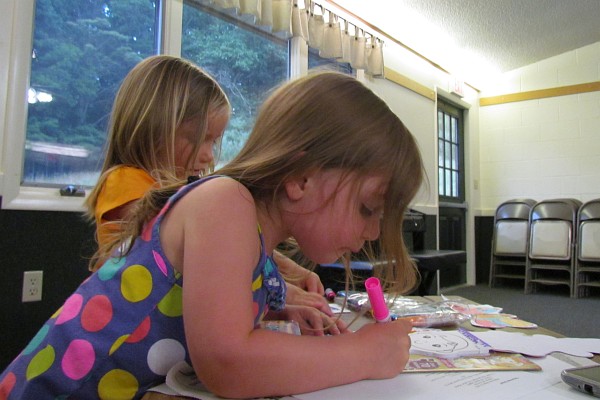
366	211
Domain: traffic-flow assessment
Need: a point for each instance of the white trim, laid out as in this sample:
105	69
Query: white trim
47	199
172	26
19	64
298	57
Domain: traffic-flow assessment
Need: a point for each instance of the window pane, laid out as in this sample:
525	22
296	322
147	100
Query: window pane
447	156
447	127
81	52
316	61
455	157
441	185
454	131
454	184
246	62
440	125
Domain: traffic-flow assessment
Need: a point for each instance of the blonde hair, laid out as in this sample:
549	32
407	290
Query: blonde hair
156	97
322	121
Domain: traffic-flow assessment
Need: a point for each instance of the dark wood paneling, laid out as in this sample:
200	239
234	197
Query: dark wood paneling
484	227
58	243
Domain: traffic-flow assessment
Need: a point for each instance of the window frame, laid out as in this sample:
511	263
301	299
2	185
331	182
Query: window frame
448	109
14	195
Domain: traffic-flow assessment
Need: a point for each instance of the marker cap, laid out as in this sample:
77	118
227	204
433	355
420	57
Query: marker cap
378	306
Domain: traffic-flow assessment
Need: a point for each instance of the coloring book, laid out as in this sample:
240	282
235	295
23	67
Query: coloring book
447	344
492	362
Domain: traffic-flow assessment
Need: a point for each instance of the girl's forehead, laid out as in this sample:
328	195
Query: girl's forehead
375	185
371	188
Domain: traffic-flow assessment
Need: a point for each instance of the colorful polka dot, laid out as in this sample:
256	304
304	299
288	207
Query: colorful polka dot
110	268
7	384
164	354
37	340
160	262
40	363
136	283
117	385
115	346
140	332
78	359
97	313
172	304
70	309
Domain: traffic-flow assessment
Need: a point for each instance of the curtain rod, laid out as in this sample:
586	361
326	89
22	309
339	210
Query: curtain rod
388	36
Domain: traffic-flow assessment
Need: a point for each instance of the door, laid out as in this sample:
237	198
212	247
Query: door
451	188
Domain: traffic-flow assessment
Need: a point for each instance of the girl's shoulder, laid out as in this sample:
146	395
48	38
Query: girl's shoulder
208	213
214	186
217	193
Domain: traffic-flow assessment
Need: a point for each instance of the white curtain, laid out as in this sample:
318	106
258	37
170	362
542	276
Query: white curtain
319	27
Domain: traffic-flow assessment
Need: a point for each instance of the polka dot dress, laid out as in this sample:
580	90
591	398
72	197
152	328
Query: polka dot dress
122	330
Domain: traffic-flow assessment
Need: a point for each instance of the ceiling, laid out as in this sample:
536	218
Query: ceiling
471	37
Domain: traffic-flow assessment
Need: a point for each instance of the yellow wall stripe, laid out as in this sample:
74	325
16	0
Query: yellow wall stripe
408	83
540	94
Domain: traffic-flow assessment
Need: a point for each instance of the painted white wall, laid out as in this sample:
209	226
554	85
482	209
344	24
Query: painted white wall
547	148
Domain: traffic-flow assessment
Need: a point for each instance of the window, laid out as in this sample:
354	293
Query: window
450	153
70	58
245	61
80	55
74	55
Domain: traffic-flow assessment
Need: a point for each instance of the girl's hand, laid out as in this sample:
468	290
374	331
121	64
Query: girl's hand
300	276
312	284
312	321
386	347
299	297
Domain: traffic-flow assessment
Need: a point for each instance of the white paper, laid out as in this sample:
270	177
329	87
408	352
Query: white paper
493	385
182	381
539	345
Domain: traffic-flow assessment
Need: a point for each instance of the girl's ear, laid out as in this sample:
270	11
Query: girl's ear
295	187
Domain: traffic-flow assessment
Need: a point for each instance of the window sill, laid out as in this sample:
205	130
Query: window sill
43	199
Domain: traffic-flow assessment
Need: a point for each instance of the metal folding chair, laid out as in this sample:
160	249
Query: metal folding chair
551	252
509	240
587	263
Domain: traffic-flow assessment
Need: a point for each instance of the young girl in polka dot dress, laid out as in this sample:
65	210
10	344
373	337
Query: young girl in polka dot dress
327	164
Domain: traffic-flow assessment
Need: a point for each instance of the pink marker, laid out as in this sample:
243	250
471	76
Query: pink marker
330	294
378	306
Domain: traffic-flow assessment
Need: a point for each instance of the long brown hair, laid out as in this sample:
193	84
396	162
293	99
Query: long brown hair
333	121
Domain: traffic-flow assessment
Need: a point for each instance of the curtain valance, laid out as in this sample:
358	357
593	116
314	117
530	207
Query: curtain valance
334	37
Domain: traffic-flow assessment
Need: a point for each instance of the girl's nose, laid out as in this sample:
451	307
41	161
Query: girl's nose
205	155
372	229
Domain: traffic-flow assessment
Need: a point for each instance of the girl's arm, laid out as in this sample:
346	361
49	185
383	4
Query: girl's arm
211	236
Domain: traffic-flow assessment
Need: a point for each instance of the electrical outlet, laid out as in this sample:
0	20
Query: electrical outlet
32	285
